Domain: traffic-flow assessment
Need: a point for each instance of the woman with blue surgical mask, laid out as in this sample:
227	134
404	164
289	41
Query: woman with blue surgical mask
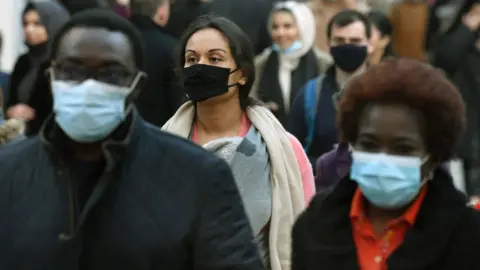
291	61
398	207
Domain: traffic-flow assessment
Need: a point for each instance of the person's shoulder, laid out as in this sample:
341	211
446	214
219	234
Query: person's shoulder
22	62
324	59
309	218
23	147
261	58
18	154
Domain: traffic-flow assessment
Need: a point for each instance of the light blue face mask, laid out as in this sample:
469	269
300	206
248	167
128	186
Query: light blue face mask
88	112
295	46
387	181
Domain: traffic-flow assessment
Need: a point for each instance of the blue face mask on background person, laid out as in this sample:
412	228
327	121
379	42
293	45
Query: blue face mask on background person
387	181
89	111
349	57
295	46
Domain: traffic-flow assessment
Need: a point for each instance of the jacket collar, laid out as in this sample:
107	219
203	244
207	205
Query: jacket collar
440	214
55	140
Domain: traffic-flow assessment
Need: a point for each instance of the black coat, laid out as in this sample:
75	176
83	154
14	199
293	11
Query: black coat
250	15
161	96
446	233
453	50
161	203
41	97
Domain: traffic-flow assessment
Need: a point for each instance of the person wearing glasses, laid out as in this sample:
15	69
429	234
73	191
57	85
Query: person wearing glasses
99	188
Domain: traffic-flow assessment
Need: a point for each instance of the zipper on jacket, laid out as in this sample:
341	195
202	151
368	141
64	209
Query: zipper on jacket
72	207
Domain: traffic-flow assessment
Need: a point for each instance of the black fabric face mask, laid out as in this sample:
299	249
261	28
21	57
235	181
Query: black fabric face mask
349	57
204	81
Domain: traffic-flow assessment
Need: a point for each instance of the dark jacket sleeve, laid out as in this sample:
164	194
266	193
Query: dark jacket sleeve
452	49
298	127
19	70
223	239
41	100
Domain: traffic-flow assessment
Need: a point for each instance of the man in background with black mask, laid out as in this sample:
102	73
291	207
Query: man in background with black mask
313	111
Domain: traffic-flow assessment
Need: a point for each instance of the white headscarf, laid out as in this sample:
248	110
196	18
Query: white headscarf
306	27
289	62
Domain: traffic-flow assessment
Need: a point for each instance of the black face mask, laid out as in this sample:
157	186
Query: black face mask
349	57
204	81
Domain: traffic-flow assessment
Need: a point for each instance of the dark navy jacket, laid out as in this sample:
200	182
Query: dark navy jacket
4	86
325	131
161	203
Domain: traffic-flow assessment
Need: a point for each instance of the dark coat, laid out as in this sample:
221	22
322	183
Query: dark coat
40	99
161	96
22	66
454	52
4	78
250	15
446	233
144	213
182	13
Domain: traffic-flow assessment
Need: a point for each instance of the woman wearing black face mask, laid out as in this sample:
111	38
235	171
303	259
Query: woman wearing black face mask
270	167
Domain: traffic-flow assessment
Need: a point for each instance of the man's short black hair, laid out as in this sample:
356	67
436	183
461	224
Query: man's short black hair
103	18
347	17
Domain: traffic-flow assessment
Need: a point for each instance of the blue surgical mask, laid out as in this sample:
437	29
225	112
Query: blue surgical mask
387	181
89	111
295	46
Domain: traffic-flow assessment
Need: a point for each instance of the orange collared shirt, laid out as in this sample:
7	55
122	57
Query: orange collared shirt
373	250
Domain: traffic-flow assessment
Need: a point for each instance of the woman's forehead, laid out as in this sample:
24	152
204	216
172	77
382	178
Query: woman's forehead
208	40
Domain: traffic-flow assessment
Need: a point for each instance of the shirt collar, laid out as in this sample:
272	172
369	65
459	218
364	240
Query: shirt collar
357	208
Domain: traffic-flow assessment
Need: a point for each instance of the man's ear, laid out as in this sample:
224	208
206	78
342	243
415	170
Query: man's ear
370	48
384	41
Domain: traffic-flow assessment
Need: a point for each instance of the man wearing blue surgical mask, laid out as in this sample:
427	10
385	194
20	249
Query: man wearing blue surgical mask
313	112
101	189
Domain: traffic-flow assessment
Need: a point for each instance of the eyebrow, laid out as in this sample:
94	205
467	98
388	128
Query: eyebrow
398	138
211	50
105	62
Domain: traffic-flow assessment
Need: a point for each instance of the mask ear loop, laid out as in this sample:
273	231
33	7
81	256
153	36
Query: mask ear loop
134	84
50	74
132	87
430	174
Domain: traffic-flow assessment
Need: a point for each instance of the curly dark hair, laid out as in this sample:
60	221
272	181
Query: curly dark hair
419	86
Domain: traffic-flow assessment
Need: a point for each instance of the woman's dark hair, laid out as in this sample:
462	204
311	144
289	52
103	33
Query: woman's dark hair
240	46
415	84
383	24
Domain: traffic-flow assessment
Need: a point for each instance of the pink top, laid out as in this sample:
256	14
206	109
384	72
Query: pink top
303	162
